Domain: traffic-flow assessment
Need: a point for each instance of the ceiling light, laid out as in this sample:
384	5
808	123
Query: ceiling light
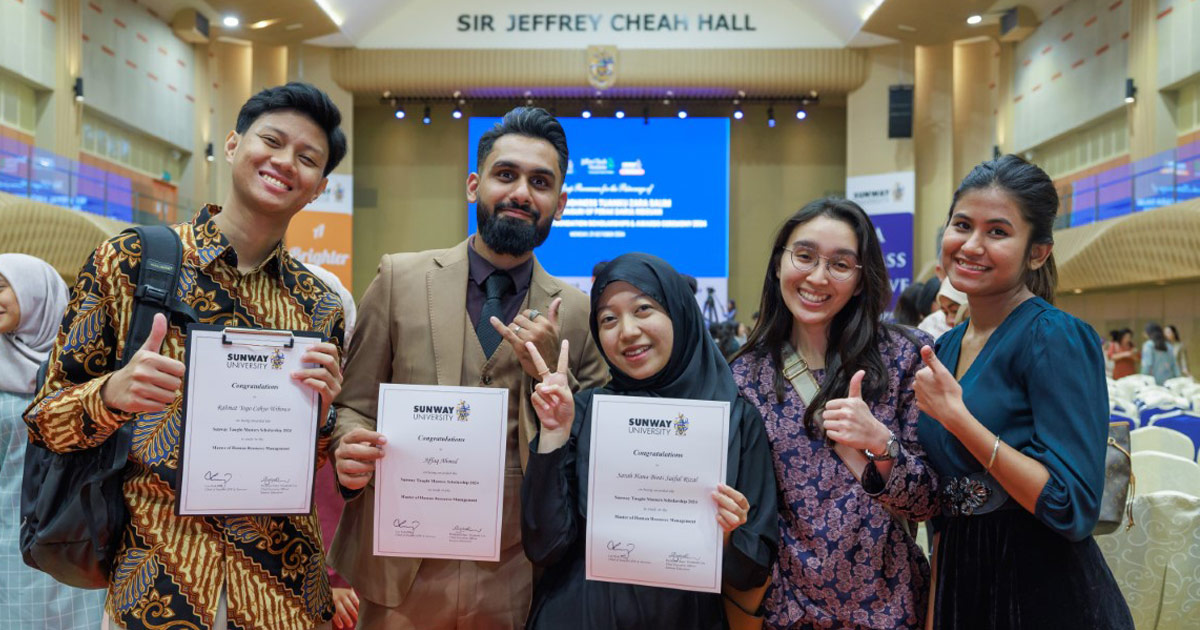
231	21
871	9
208	153
426	118
771	117
1130	91
974	19
738	114
457	113
262	24
620	113
682	113
78	89
324	4
800	113
587	113
399	113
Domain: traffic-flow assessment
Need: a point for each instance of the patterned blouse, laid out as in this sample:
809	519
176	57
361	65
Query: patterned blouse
844	561
170	570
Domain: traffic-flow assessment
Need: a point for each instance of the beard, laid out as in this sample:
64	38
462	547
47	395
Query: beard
510	236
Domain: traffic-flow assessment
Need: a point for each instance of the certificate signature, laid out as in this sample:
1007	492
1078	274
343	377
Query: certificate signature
620	549
406	526
217	478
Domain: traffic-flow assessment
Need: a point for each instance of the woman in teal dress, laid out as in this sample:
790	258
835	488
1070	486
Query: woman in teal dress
1015	423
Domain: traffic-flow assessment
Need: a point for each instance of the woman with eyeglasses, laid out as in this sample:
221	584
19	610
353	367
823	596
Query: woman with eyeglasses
834	386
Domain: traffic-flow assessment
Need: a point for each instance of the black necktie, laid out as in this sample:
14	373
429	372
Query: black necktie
496	287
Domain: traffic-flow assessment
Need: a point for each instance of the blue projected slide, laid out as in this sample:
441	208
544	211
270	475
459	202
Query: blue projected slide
660	188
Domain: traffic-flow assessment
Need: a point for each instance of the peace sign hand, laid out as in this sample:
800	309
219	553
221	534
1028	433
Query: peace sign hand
552	399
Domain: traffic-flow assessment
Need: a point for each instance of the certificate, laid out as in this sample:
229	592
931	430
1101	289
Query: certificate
439	489
249	430
654	464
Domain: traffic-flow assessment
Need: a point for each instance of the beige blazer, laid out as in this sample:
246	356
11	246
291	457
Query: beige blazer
410	330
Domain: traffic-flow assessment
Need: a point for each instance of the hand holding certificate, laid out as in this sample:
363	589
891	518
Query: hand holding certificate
656	501
250	427
439	485
654	466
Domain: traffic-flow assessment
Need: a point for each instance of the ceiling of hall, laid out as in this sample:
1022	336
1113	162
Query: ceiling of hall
931	22
921	22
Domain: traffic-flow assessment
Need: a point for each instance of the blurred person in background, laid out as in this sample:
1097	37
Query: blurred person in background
1181	358
1158	357
1122	354
32	300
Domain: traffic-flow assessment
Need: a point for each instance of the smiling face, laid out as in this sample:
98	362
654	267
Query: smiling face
10	311
985	249
278	164
636	333
813	297
518	194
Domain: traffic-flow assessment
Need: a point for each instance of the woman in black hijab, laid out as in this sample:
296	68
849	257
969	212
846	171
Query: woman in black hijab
652	335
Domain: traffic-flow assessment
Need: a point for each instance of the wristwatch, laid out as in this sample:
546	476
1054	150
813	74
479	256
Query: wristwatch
890	451
326	429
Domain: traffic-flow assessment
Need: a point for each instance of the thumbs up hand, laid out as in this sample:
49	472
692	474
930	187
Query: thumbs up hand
849	421
938	393
150	381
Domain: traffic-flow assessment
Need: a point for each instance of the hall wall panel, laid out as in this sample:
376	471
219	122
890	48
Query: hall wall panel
758	72
27	40
1070	71
1178	40
138	72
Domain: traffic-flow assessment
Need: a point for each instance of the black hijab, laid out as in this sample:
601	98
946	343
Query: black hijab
695	368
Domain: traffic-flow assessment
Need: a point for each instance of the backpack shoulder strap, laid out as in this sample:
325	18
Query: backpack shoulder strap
158	276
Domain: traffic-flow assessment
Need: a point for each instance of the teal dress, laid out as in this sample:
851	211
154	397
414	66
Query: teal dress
1039	384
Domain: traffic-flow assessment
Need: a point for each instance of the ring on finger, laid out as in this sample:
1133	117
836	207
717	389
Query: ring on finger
517	328
533	314
543	374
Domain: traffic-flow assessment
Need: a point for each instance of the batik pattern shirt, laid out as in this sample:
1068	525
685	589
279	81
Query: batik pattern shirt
170	570
845	560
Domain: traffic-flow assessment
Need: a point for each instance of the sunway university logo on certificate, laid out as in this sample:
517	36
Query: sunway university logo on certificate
277	359
681	424
462	411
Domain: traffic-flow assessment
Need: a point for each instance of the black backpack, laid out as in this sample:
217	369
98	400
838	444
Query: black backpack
73	511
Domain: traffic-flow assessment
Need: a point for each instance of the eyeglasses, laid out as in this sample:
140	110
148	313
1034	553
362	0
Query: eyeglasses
840	268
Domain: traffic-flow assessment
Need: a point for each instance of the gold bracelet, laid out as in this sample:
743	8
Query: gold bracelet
992	459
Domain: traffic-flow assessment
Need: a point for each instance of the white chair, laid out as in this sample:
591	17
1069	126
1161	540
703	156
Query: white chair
1162	471
1162	440
1179	385
1132	384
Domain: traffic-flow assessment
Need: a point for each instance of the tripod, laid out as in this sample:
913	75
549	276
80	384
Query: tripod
712	313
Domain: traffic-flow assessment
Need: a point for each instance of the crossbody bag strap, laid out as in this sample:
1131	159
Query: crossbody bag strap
797	372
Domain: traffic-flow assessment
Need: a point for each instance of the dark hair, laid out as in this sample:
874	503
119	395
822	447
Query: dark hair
1155	332
1121	334
856	330
1174	332
1115	335
532	122
906	312
723	334
307	100
1035	195
927	297
598	267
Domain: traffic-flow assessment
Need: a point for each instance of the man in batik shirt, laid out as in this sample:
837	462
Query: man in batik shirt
257	572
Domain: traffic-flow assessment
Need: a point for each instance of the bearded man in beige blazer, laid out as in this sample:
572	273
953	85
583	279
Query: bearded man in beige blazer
461	316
